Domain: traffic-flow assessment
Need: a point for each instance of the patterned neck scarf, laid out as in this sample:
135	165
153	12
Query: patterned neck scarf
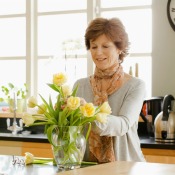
104	83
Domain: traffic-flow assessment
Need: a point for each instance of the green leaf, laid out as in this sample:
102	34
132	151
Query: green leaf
63	117
50	130
49	107
11	85
87	120
55	87
75	91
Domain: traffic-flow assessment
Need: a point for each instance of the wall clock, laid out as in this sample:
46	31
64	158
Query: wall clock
171	13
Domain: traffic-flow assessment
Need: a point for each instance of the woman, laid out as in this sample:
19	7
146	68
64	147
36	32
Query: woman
117	139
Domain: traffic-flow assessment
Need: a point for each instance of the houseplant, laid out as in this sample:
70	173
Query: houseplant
20	94
65	121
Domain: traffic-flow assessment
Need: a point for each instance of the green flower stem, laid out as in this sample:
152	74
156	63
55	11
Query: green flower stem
40	160
88	163
88	131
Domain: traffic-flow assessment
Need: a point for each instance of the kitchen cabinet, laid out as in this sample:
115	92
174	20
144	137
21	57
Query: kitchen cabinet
37	149
10	148
166	156
19	148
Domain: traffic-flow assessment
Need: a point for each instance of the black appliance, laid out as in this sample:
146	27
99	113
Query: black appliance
150	109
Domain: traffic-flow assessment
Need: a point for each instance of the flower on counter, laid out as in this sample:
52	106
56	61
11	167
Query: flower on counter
30	159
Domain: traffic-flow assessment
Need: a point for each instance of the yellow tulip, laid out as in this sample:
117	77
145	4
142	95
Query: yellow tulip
66	90
32	102
101	117
42	109
59	79
105	108
88	110
28	119
29	158
73	102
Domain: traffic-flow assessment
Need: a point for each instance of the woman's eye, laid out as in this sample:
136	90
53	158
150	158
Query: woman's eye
94	47
106	46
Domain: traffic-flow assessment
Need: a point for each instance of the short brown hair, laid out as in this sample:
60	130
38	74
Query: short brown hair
112	28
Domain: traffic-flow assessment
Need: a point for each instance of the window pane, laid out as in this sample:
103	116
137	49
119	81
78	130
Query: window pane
124	3
138	24
12	7
144	72
12	71
75	68
61	5
53	31
13	37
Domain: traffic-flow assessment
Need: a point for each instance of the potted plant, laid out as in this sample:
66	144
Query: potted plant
20	94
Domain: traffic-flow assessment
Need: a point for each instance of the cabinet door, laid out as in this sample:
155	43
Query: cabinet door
10	148
159	155
160	159
37	149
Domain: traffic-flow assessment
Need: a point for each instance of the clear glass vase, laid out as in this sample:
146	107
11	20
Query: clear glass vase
69	147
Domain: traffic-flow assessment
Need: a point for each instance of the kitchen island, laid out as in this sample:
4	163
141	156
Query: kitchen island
38	145
118	168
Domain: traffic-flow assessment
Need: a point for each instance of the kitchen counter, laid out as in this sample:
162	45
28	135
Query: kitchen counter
146	142
149	142
118	167
40	138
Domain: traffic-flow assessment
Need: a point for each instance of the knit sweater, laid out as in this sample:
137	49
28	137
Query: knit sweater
126	104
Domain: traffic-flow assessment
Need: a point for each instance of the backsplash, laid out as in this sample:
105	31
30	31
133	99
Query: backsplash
33	129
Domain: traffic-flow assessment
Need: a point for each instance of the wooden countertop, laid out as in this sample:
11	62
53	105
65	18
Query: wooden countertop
114	168
124	168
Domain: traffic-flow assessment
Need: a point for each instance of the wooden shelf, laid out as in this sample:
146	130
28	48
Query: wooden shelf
10	115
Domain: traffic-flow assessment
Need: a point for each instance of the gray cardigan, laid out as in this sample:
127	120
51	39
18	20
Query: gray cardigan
126	104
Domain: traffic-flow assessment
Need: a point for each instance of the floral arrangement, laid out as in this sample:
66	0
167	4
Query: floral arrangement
68	110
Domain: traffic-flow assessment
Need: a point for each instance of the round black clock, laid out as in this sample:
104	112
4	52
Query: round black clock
171	13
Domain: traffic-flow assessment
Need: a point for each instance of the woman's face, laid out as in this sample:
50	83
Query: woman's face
104	52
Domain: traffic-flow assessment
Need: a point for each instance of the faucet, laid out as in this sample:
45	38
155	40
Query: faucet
14	127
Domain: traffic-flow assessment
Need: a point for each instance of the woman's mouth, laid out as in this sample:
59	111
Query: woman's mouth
101	59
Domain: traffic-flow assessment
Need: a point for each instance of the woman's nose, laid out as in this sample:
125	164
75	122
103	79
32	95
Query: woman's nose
99	51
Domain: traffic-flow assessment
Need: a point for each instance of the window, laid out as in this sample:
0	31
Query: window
12	42
137	18
39	38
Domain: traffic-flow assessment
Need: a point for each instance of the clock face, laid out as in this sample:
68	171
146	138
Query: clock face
171	13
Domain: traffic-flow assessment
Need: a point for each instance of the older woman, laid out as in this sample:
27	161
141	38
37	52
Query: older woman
117	139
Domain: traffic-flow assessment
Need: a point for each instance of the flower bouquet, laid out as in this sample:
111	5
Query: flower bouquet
67	121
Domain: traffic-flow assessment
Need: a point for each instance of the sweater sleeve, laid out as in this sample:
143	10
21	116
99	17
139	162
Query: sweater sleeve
128	114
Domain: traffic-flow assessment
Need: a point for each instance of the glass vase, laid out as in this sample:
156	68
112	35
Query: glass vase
69	147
